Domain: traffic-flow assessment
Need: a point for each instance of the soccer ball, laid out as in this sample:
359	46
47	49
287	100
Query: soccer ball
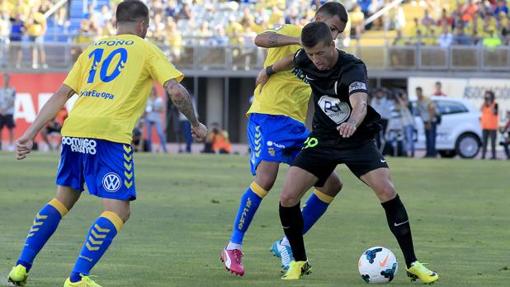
377	265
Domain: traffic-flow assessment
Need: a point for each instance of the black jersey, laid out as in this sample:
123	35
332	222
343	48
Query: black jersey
331	90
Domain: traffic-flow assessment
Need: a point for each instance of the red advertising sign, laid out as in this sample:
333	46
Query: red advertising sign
32	91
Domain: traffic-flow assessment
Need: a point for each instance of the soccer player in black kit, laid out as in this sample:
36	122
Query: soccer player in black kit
344	126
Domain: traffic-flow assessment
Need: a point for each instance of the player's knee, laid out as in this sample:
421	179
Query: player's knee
265	180
124	214
288	199
386	192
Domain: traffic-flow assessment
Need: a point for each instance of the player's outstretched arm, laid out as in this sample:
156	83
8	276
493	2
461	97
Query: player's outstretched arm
55	103
279	66
271	39
359	102
182	100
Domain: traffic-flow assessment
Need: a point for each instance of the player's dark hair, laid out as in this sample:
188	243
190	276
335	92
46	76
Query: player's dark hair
131	11
419	89
334	9
314	33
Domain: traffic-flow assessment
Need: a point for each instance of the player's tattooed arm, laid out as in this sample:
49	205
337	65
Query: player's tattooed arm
359	103
182	100
49	111
270	39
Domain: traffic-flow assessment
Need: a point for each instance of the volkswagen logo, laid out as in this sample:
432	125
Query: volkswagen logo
111	182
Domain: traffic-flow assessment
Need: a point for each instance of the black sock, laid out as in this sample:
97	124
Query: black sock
292	223
399	225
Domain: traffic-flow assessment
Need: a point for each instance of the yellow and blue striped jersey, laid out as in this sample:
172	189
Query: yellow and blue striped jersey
113	79
285	93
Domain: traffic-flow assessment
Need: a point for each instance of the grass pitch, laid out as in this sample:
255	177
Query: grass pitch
186	206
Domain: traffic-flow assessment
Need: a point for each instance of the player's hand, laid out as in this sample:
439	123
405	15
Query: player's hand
262	78
23	147
199	131
346	129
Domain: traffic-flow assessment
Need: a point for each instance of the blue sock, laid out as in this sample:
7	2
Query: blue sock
45	223
314	208
99	238
248	207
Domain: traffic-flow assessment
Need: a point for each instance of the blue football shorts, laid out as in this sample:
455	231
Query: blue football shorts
274	138
107	168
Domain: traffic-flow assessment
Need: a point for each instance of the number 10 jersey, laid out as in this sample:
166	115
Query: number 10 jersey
113	78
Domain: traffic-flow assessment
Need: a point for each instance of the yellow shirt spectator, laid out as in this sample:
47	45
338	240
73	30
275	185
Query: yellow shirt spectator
36	25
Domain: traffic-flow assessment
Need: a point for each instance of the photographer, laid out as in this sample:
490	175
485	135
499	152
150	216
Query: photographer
427	111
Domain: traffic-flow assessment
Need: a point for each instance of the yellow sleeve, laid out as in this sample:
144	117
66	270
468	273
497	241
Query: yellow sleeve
73	79
287	30
160	68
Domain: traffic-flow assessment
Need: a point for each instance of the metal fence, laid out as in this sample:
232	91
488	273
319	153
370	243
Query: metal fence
19	56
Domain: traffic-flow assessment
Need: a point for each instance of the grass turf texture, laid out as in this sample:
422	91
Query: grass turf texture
186	205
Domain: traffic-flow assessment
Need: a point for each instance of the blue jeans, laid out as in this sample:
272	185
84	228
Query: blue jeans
409	138
430	140
159	131
186	133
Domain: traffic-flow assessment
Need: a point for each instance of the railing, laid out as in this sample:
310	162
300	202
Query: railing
226	58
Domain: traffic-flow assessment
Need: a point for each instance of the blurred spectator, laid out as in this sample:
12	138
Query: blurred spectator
505	131
506	33
52	129
445	40
16	35
174	40
461	38
489	121
438	90
469	9
445	19
36	28
104	17
185	12
81	40
408	123
217	141
383	106
492	40
185	129
428	113
356	18
138	142
154	112
7	100
4	38
501	8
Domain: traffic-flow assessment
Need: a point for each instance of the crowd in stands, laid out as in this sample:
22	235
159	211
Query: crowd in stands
458	22
174	23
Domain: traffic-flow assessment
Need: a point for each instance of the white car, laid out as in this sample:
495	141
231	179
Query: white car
459	132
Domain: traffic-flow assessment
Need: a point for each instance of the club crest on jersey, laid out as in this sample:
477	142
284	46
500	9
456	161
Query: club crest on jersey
111	182
335	109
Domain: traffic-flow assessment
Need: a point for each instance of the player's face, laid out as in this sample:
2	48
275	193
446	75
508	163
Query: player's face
334	23
322	55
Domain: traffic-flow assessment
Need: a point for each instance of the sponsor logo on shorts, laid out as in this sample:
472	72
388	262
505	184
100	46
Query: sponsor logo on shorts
111	182
335	109
275	144
86	146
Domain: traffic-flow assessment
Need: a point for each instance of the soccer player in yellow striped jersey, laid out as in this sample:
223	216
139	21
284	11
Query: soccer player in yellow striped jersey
276	133
113	78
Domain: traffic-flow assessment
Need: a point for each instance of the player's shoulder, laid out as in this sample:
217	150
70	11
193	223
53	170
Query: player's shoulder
287	29
350	59
300	58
